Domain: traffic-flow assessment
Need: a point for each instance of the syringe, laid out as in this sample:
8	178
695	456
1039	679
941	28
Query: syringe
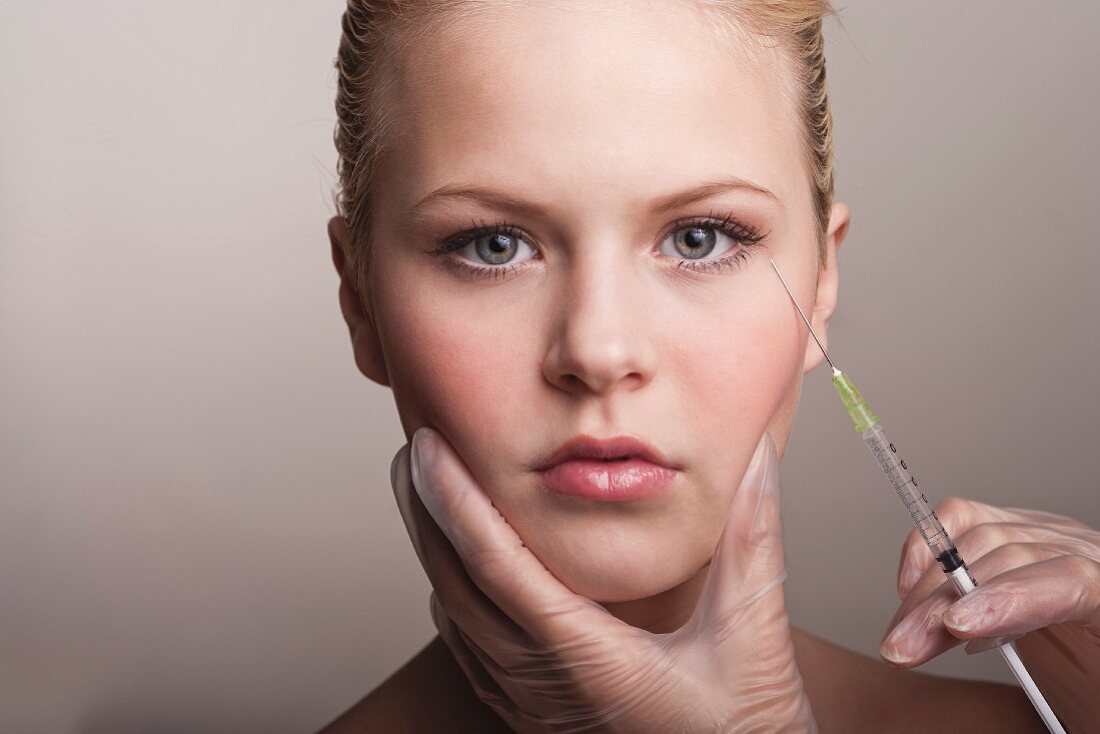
930	527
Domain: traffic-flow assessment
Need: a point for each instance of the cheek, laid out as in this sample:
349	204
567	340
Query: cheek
734	375
456	369
731	372
724	368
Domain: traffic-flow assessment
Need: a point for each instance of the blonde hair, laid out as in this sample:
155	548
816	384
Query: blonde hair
375	31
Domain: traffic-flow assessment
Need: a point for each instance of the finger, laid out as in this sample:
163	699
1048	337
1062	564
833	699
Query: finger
977	542
957	515
748	560
486	677
484	685
1049	518
919	635
459	596
512	690
1061	589
495	557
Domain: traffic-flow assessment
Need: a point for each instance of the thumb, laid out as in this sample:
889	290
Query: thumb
494	556
748	561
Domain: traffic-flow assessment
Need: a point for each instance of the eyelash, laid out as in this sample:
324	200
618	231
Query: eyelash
744	235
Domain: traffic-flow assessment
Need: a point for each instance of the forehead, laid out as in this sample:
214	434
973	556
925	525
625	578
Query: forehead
608	104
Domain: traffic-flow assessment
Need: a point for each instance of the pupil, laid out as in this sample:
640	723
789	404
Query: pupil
496	248
698	241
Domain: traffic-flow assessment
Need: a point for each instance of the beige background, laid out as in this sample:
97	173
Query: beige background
196	527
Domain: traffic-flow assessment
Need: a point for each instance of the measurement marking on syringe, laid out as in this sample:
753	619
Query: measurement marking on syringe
867	423
897	470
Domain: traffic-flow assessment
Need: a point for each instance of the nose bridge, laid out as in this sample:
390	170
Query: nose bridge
601	339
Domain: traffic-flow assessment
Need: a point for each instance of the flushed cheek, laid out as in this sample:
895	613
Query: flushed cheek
478	378
468	379
732	381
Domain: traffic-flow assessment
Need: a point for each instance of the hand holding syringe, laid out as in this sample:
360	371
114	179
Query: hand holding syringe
929	526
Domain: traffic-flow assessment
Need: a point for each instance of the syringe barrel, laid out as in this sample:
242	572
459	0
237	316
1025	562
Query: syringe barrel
930	527
897	471
905	484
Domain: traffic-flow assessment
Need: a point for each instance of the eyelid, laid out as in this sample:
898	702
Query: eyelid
741	232
461	240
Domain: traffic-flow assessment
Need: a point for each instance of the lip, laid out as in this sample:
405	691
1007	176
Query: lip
576	469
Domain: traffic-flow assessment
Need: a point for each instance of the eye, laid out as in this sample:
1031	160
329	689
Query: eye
490	249
694	240
498	246
486	249
697	241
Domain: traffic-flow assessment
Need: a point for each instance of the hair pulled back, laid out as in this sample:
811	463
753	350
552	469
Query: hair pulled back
374	32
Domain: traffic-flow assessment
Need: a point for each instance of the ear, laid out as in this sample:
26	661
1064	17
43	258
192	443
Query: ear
364	336
827	284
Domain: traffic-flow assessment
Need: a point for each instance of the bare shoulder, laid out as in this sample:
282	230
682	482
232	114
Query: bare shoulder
850	692
429	693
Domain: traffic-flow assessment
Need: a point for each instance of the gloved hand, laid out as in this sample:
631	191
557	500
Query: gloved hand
547	659
1038	580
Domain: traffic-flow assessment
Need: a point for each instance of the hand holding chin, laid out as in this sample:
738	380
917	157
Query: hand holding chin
547	659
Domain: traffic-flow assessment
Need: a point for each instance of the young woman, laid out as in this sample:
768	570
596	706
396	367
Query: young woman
557	221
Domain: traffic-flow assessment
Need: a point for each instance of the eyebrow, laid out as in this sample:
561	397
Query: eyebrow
504	200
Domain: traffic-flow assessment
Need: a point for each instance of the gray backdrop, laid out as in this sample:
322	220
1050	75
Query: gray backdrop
196	526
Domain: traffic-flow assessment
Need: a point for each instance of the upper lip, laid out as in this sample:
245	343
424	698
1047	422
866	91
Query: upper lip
590	447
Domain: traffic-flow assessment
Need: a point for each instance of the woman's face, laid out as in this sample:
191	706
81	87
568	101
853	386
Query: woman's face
602	310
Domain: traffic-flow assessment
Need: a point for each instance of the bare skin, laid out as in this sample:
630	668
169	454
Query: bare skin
849	693
604	327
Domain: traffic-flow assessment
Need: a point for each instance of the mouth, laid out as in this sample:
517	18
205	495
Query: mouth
614	448
620	468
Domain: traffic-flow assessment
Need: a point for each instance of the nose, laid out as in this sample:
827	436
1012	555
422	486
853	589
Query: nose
604	334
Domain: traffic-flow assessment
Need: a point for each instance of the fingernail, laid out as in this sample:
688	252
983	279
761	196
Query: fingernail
891	645
963	621
908	579
423	452
891	653
760	453
764	461
965	614
770	459
414	462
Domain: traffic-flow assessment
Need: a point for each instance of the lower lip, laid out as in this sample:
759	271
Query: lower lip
610	481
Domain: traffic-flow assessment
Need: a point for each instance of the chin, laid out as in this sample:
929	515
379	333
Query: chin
618	567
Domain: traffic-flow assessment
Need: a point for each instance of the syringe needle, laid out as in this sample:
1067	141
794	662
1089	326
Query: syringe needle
800	313
933	532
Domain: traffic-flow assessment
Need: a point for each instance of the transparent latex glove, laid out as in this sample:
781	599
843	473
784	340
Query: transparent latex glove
1038	580
547	659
